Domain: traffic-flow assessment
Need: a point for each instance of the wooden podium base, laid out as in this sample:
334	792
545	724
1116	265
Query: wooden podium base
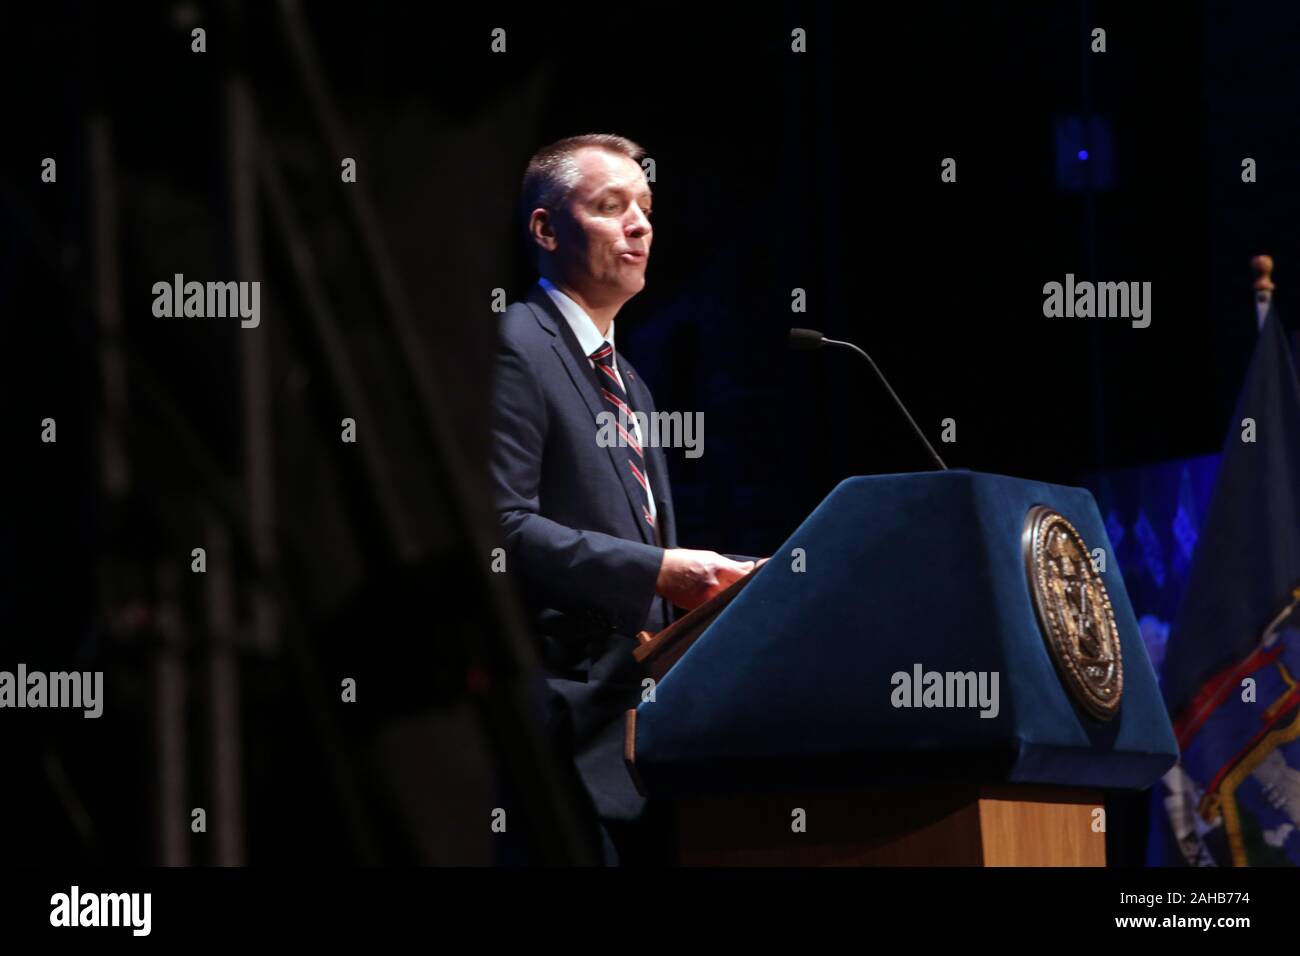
953	826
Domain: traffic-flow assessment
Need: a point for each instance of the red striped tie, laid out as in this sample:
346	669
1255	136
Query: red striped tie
615	395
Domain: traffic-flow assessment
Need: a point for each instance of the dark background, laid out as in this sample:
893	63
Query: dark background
774	170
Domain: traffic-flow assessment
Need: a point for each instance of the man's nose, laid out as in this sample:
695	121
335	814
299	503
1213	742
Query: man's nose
640	224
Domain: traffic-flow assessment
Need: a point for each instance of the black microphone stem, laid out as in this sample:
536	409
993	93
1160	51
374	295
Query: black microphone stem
897	401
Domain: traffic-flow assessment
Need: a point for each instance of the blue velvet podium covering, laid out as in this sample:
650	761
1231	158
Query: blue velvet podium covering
793	686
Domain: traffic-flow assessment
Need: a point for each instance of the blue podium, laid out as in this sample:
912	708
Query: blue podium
934	668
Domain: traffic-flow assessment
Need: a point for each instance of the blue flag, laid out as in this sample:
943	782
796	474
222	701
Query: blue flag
1231	676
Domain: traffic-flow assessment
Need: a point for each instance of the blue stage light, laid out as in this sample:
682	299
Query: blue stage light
1085	153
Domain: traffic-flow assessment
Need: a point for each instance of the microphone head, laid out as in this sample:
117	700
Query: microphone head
801	339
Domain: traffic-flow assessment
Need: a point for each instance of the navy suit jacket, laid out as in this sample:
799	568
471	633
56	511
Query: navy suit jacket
578	546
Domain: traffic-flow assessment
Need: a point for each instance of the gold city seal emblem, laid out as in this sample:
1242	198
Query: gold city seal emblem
1073	612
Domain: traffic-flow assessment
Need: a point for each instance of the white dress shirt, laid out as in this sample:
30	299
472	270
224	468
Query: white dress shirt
589	339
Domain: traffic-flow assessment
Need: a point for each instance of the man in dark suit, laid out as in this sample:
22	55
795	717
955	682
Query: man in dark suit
588	523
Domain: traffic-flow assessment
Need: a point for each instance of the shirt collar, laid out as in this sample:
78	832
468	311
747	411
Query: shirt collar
582	324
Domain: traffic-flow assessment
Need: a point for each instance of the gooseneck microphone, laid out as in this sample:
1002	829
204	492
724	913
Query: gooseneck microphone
807	339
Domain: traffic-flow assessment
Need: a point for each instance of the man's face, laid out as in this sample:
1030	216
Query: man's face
602	236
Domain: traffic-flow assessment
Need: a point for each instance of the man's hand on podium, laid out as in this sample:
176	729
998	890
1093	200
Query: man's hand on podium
689	578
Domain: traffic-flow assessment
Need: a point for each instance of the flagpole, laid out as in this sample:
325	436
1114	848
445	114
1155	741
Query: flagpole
1262	266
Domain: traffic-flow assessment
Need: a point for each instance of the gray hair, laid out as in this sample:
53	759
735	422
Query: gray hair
553	173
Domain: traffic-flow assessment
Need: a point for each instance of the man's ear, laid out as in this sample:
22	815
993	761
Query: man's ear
542	229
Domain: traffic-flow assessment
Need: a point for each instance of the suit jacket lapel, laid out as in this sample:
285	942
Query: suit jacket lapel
584	379
656	459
